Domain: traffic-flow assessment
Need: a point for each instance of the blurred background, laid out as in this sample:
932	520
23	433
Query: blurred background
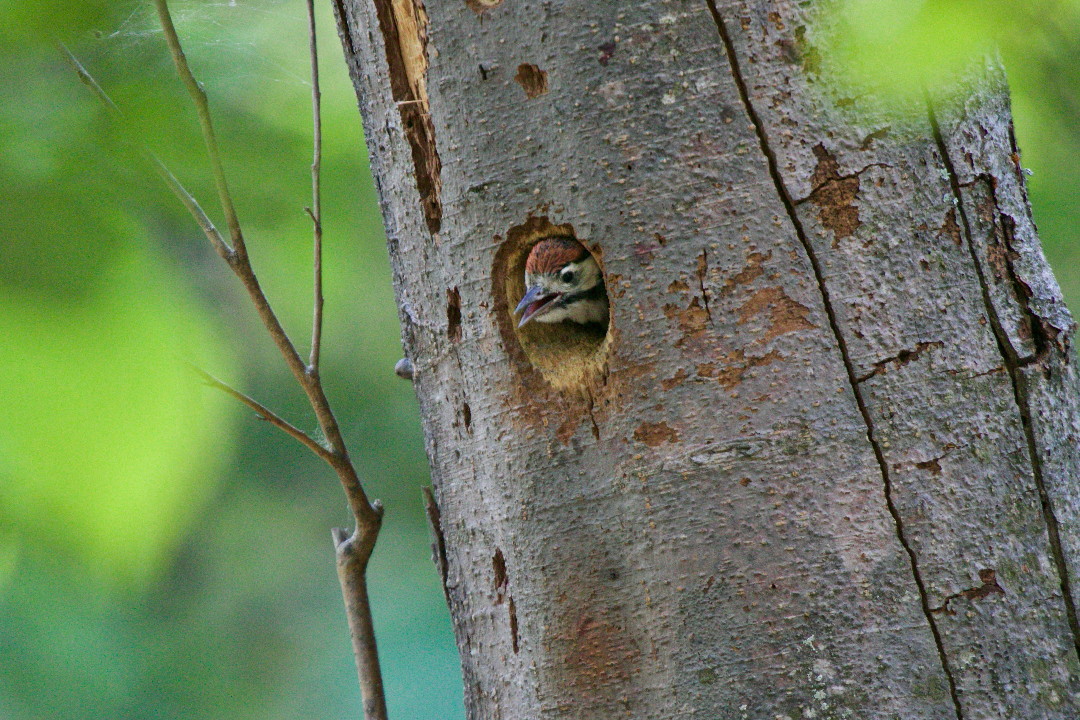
163	554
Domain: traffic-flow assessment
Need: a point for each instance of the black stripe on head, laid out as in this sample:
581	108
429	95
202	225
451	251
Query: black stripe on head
596	292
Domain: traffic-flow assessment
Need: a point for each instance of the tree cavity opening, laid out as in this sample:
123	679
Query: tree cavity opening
568	355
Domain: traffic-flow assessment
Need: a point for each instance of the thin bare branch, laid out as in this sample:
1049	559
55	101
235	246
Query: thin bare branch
237	259
267	414
239	262
202	107
174	184
315	211
352	552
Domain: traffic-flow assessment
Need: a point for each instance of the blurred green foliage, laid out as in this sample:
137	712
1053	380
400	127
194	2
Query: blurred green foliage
162	553
893	49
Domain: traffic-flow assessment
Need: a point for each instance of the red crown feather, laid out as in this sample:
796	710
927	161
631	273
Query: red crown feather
552	254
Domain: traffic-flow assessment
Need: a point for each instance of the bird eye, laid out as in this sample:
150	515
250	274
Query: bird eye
567	275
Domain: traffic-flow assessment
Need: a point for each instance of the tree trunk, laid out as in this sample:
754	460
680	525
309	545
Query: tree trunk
824	463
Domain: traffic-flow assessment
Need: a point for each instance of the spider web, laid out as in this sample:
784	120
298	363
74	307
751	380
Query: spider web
234	44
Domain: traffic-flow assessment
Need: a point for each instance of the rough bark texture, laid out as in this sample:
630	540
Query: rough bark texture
825	462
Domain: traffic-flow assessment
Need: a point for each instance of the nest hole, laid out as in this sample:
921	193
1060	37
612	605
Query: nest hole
568	355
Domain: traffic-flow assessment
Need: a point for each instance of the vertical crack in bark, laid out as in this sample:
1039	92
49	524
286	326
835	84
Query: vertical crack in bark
453	314
342	18
1013	363
438	542
819	276
501	580
592	416
702	274
514	638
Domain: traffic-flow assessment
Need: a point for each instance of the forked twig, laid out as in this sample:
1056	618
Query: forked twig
352	558
364	510
353	550
265	413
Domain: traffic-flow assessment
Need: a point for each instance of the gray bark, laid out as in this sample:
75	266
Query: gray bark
825	462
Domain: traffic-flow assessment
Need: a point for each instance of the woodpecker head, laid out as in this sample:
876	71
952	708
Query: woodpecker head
562	282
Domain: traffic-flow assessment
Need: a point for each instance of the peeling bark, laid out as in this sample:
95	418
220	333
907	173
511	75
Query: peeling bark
404	26
837	385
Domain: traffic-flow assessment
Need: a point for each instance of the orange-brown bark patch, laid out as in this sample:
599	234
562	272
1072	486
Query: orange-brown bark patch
785	315
834	195
601	655
614	284
950	229
734	366
532	79
655	434
693	319
479	6
1000	259
934	466
675	379
566	430
748	274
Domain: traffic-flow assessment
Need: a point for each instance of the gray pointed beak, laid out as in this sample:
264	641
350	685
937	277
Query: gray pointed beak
531	295
534	303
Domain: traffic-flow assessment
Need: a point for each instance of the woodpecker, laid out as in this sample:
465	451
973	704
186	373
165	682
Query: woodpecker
562	283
